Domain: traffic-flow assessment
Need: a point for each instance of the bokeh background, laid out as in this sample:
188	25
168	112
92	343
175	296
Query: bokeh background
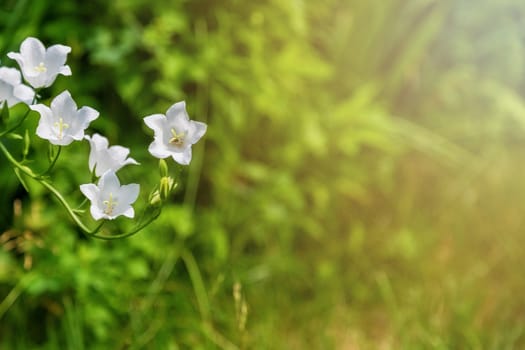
360	185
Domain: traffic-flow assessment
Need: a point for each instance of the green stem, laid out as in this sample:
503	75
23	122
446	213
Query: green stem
53	162
156	287
195	170
84	201
15	163
5	132
218	338
51	188
69	210
90	233
198	284
130	233
11	297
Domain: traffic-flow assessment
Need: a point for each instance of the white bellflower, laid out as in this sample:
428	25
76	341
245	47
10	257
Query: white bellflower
175	133
63	123
40	66
103	158
109	199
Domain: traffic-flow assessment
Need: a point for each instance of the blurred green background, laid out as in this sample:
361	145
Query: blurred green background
360	185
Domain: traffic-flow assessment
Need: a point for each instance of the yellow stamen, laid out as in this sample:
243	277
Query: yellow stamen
110	205
41	68
61	127
177	140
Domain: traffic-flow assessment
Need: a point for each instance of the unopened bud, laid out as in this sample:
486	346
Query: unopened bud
166	185
154	198
27	143
51	152
163	168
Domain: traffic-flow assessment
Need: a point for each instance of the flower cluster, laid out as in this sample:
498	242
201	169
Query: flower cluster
62	123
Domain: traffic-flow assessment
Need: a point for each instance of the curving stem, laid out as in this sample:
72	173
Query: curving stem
88	232
26	170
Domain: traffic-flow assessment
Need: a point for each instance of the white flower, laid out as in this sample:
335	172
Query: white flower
12	91
103	158
63	123
174	133
39	66
110	200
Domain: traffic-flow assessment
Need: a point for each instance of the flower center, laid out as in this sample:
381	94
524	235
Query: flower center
41	68
177	139
110	205
61	127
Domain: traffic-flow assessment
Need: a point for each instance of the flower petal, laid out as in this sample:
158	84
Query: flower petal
129	193
130	161
63	105
24	93
119	154
198	130
80	121
99	142
6	94
56	57
33	53
88	114
97	213
91	191
155	122
129	212
158	150
109	182
18	58
37	80
176	109
64	70
10	75
44	128
183	158
180	122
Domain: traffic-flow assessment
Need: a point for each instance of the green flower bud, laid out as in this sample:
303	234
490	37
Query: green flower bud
27	143
51	152
166	185
154	198
163	168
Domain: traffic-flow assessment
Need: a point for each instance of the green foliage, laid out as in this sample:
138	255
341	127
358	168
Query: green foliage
358	181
